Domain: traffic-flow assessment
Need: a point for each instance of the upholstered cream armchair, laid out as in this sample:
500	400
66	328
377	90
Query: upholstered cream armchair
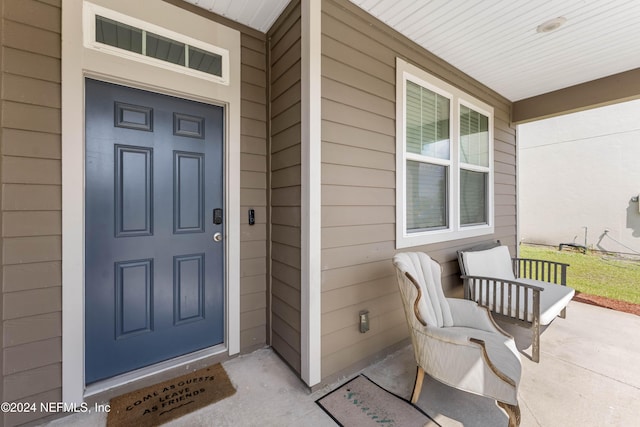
454	340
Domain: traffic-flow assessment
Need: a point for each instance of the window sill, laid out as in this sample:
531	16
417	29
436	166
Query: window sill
439	236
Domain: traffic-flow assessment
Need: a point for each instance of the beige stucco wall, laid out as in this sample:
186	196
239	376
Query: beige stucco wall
581	170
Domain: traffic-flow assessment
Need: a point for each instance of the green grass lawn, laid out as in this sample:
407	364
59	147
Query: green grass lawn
594	273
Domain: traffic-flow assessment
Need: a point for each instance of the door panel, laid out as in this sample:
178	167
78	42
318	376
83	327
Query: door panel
188	188
154	282
188	288
133	191
133	284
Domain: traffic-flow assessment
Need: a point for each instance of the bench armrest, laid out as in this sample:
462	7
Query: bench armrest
510	298
506	281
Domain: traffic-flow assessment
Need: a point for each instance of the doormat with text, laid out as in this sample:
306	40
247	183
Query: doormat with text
363	403
160	403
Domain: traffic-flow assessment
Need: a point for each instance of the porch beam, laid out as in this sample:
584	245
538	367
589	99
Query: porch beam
613	89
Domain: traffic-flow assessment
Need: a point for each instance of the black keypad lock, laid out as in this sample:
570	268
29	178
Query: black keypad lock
217	216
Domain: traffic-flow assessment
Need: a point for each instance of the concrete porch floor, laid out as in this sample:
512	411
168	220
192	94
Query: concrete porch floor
588	375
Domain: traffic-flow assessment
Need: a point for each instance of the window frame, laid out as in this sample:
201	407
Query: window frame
408	72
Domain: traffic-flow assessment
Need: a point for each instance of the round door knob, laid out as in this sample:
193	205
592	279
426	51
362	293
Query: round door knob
217	237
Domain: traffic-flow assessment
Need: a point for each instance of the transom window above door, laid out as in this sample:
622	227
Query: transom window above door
444	152
124	36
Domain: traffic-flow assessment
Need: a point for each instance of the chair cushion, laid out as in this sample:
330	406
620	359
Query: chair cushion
494	262
552	300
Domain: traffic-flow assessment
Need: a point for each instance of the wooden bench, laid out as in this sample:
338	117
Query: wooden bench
526	292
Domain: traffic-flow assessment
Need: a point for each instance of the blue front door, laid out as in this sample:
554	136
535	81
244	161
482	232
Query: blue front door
154	281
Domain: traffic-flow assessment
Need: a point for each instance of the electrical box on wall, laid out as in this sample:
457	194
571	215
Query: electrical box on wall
364	321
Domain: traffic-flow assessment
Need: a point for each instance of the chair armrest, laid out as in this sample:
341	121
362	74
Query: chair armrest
444	335
539	269
511	298
490	364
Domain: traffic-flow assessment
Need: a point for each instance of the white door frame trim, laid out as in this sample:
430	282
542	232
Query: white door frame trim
79	62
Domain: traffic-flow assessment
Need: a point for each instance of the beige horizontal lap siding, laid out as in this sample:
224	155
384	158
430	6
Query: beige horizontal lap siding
253	194
30	173
358	182
30	189
285	55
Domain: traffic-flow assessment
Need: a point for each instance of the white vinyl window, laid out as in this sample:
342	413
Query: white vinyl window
444	172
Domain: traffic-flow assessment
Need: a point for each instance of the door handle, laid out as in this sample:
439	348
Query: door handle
217	237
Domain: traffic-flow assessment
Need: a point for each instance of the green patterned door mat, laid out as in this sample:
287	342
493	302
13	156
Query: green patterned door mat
361	403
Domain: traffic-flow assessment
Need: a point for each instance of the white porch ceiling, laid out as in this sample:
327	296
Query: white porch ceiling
495	41
257	14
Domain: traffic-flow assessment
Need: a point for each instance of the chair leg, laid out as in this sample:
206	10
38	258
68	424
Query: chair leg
418	386
513	411
563	313
535	345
